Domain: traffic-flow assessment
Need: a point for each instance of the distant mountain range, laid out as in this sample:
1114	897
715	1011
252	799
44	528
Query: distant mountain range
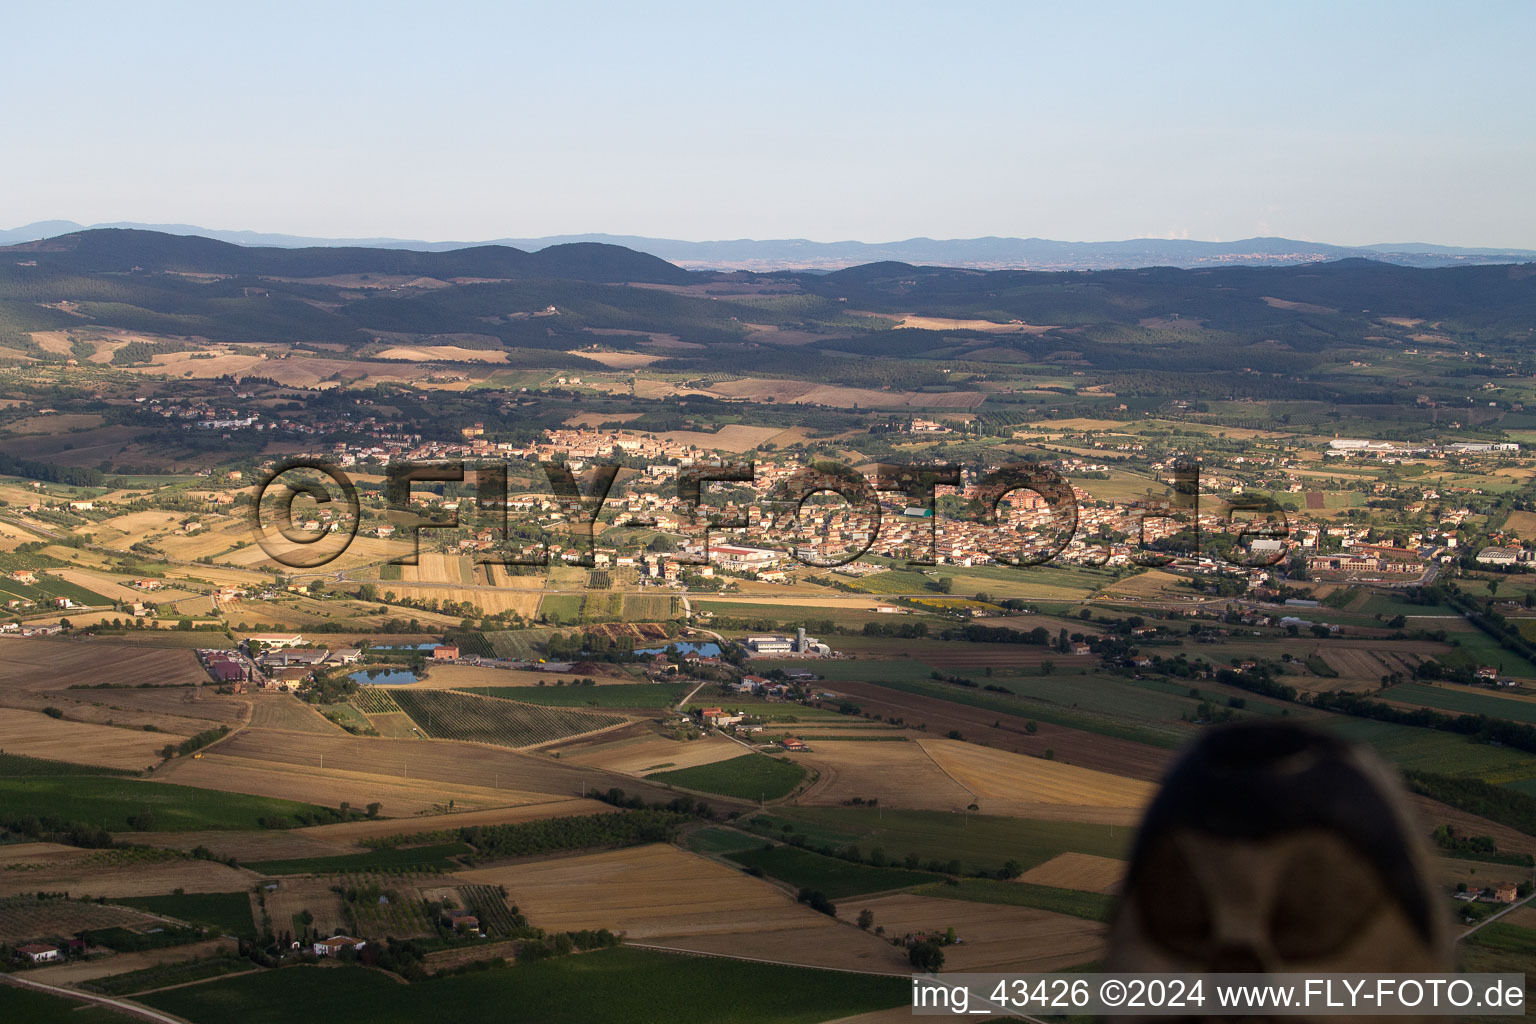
989	253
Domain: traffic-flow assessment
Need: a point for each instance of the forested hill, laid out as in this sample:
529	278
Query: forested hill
115	250
570	299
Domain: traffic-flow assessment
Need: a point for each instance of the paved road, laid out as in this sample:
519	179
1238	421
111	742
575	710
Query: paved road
1489	920
134	1009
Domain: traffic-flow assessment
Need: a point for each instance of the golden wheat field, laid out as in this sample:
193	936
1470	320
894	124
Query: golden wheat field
402	797
1082	871
898	774
524	603
33	734
992	937
34	663
1015	784
638	755
286	712
809	945
296	894
646	892
87	876
27	917
537	810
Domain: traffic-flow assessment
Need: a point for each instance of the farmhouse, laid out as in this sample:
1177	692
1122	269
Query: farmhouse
24	576
463	920
334	945
445	652
276	639
791	743
1505	893
38	952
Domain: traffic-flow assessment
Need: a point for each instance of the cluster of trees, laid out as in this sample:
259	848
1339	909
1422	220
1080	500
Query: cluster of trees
53	828
580	832
193	743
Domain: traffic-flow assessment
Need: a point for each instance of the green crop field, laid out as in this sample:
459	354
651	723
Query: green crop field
47	588
1107	723
834	877
614	986
602	606
720	840
649	607
20	1004
863	670
109	802
19	766
980	842
229	912
749	777
1092	906
1465	700
1426	750
788	616
444	714
1474	648
561	608
415	858
617	695
166	975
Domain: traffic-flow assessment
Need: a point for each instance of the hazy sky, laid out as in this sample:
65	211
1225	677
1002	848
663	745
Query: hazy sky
1343	122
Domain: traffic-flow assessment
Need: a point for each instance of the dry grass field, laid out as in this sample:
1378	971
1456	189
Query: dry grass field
618	360
1149	585
1522	525
198	703
174	710
1525	917
296	894
900	775
1081	871
524	603
1449	871
27	917
401	796
1032	787
813	945
794	392
418	769
444	354
637	755
12	535
84	876
943	323
36	735
33	663
646	892
287	713
992	937
450	677
733	437
1070	746
74	972
32	856
1362	660
435	567
353	831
